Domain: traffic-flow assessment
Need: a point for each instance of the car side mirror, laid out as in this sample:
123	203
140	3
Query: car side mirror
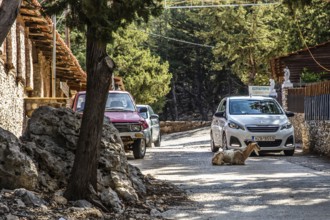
289	114
219	114
143	109
154	116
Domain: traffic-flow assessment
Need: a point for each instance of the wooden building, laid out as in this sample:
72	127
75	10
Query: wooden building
27	79
311	58
26	68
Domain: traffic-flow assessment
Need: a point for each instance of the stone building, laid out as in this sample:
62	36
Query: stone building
26	68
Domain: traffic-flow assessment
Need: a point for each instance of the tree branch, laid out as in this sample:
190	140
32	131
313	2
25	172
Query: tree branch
8	12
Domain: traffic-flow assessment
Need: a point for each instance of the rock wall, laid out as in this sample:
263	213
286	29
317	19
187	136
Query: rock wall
11	102
313	135
12	79
317	138
285	98
23	72
167	127
298	122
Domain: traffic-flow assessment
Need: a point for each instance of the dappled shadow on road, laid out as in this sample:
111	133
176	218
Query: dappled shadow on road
189	144
272	184
183	134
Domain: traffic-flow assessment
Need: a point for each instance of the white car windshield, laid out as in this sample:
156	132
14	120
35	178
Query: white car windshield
115	102
252	107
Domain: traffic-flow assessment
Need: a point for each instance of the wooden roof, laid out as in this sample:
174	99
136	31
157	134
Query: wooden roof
40	32
298	60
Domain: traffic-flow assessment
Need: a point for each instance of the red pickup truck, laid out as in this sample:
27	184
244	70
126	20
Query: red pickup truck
122	112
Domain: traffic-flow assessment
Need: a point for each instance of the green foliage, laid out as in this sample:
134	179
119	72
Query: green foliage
247	37
295	4
313	21
104	17
196	86
78	47
309	77
144	75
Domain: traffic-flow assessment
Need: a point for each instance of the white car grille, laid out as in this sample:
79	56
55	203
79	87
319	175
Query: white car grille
262	129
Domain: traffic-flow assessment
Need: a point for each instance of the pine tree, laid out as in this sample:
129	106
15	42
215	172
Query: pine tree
99	19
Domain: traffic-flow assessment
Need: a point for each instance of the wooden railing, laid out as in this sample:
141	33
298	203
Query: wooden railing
313	100
296	100
317	100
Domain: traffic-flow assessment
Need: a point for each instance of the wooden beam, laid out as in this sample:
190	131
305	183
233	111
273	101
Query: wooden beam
27	11
36	20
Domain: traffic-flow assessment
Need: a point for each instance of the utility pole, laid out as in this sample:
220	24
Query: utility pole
54	58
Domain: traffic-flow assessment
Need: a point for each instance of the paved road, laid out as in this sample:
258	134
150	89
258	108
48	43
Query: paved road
267	187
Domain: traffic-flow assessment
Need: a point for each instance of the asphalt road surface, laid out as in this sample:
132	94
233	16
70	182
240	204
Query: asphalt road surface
267	187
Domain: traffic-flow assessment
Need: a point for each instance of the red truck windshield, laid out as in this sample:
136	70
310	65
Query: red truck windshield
115	102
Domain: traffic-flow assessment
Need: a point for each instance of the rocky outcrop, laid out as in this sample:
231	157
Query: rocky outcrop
34	171
16	168
43	158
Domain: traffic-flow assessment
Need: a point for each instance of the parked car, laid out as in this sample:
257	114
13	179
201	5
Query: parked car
242	118
152	133
122	112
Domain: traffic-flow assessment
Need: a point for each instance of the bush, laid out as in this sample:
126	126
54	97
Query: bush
309	77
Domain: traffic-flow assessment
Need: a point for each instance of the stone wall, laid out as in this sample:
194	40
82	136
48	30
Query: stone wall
32	104
12	90
298	122
11	102
318	137
24	71
285	98
313	135
167	127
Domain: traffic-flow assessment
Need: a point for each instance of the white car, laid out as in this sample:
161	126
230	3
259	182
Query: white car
152	133
262	119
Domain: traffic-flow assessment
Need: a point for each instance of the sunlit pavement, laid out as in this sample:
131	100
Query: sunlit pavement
267	187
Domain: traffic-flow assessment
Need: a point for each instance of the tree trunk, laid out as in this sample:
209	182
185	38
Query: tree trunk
174	100
83	180
8	12
253	68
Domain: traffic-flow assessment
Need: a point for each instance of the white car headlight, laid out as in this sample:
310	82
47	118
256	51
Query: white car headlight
136	127
287	125
235	125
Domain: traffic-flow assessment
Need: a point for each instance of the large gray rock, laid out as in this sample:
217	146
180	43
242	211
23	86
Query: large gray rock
16	168
50	140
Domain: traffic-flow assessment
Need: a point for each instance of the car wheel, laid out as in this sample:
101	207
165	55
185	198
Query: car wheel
289	152
139	148
157	142
224	142
213	148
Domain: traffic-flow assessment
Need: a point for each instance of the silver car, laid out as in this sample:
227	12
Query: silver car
152	133
242	118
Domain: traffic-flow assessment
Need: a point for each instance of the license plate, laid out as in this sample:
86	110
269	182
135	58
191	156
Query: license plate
264	138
